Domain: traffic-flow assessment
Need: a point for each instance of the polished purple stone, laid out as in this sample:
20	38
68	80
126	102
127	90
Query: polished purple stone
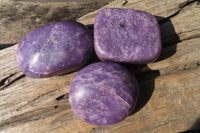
125	35
103	93
54	49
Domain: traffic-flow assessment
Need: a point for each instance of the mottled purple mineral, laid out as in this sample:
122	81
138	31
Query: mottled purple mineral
103	93
54	49
124	35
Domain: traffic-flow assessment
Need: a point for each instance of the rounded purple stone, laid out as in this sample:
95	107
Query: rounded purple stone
54	49
125	35
103	93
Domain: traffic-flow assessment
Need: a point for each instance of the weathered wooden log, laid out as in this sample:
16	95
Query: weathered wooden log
170	92
18	17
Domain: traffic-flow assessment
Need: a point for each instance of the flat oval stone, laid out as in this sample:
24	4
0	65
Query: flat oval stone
103	93
54	49
125	35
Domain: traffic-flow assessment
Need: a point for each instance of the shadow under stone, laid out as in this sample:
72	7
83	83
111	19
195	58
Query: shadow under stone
146	76
169	38
195	128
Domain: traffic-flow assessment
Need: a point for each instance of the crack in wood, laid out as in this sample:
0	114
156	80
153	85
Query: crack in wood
34	100
164	123
125	2
189	66
39	99
62	97
33	115
181	6
189	31
7	83
5	80
193	36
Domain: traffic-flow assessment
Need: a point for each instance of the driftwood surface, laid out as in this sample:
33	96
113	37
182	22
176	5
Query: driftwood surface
169	88
18	17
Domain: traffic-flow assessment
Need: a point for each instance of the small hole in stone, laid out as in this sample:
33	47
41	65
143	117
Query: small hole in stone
122	25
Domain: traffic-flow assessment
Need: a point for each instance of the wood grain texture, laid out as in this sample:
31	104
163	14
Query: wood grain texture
19	17
169	88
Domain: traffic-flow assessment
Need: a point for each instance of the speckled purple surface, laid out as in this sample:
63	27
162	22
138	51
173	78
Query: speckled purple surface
124	35
54	49
103	93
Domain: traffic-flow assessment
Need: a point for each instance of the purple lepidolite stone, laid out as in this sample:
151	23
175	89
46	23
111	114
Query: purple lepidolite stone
54	49
124	35
103	93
